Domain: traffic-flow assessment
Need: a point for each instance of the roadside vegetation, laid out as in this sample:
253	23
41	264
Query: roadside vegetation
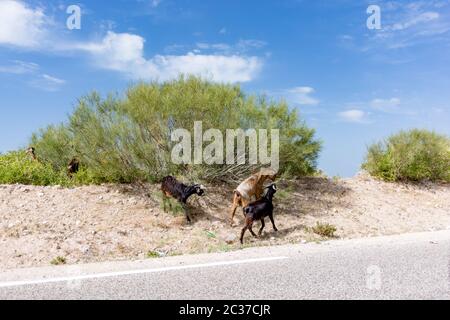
126	138
324	230
414	155
58	261
18	167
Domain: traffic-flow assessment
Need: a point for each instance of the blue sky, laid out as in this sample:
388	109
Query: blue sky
353	84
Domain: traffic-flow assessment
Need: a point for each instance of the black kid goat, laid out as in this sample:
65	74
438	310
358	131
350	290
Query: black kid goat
171	187
73	167
258	210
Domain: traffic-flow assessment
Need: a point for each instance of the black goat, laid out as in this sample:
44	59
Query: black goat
258	210
73	167
171	187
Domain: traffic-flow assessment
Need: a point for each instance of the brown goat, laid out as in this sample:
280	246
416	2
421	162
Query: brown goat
32	152
251	189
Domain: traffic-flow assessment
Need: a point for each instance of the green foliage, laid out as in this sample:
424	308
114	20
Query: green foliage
413	155
153	254
127	138
54	146
18	167
210	234
171	205
58	261
324	230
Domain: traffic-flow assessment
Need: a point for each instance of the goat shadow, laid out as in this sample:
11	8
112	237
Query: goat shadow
313	196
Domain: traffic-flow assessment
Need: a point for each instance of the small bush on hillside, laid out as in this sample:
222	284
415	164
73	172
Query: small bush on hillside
413	155
58	261
324	230
18	167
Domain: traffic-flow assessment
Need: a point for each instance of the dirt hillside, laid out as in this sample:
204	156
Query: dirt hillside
97	223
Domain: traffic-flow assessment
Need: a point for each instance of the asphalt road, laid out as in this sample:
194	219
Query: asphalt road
412	266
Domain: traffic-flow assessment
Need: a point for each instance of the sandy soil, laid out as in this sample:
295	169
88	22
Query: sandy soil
97	223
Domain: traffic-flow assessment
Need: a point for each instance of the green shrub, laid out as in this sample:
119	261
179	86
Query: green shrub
58	261
18	167
324	230
127	138
153	254
54	146
413	155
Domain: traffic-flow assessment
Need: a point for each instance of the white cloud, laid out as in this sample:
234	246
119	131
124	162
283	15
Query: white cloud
243	46
386	105
405	25
155	3
125	53
21	25
47	83
35	78
53	80
353	115
19	67
214	46
421	18
301	96
247	44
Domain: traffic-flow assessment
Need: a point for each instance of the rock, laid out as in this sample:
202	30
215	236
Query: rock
230	238
303	241
40	194
161	253
85	249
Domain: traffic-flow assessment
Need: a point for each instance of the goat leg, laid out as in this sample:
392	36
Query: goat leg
273	222
262	227
186	212
164	199
250	227
233	211
242	234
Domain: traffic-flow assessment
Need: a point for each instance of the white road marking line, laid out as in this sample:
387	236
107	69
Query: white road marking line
133	272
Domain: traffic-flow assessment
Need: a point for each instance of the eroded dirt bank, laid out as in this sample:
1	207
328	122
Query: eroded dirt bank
97	223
